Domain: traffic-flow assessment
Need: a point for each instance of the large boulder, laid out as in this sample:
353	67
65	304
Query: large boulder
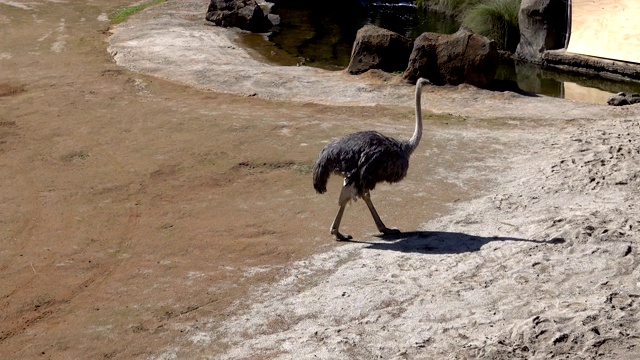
543	26
242	14
378	48
463	57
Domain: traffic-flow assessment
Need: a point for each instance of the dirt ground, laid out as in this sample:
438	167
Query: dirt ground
139	205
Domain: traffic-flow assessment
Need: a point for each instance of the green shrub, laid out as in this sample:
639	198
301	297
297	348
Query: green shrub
497	20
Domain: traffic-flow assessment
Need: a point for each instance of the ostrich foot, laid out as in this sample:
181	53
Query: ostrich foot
388	231
339	236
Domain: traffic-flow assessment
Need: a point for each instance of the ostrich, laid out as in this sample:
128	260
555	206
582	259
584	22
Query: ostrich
364	159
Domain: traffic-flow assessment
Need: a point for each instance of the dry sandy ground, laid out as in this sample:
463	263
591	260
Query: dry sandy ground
161	207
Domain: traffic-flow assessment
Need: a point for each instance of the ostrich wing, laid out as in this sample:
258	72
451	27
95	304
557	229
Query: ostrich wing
385	162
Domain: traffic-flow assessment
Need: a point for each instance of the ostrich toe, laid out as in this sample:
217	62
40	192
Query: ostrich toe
341	237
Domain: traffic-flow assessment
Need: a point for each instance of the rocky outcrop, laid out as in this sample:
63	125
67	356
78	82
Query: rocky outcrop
463	57
621	98
378	48
543	26
243	14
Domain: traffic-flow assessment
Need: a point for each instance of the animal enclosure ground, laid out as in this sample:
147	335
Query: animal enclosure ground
144	215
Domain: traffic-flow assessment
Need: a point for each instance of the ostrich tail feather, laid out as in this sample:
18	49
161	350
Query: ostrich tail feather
321	173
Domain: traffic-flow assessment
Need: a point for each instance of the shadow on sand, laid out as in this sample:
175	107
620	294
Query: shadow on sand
440	242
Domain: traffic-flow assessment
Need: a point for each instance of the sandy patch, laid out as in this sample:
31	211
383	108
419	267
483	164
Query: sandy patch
545	266
19	5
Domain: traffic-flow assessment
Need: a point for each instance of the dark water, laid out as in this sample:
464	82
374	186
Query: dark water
321	34
534	79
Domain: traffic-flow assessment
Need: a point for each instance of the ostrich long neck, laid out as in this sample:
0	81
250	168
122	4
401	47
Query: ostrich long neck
417	134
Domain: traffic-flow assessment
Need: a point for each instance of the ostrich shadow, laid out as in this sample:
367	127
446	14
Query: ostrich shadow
441	242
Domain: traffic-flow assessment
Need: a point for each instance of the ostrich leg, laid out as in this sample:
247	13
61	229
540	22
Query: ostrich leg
381	227
345	195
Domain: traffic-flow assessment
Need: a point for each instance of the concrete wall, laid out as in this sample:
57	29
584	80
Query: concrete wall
607	29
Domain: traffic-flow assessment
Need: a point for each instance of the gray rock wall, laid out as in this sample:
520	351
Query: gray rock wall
543	26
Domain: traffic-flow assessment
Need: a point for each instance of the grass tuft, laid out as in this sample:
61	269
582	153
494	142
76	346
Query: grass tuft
497	20
449	7
304	169
74	155
124	13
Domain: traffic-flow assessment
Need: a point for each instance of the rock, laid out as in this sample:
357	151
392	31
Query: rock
543	26
463	57
621	98
243	14
378	48
591	66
